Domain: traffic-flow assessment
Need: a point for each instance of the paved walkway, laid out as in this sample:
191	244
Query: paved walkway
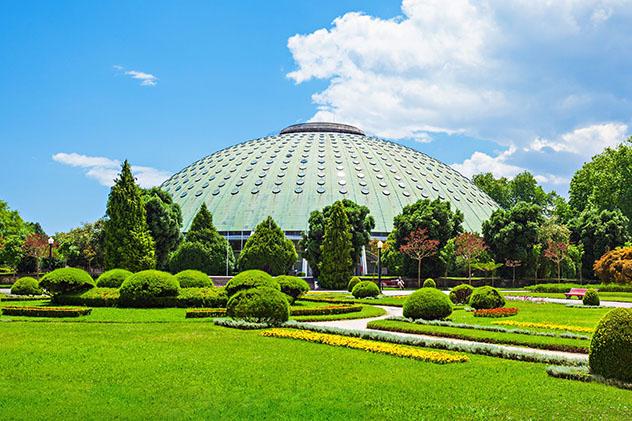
360	324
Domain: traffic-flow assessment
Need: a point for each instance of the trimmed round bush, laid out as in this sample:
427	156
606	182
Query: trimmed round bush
66	281
429	283
485	298
591	298
460	294
250	279
26	286
353	282
427	304
192	278
292	286
147	287
113	278
260	305
611	346
365	289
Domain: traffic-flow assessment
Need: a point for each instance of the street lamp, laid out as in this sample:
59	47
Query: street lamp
51	241
227	244
379	263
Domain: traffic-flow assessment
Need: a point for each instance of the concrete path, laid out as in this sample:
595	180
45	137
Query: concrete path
5	291
360	324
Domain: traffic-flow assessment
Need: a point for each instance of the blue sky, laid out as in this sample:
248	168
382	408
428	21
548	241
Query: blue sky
485	86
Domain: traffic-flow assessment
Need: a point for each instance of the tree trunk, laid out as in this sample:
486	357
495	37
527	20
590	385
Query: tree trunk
469	271
559	275
419	273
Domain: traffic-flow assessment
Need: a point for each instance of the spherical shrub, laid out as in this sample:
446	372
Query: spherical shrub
261	305
192	278
113	278
365	289
611	346
147	287
427	304
26	286
66	280
486	297
250	279
430	283
353	282
591	298
292	286
460	294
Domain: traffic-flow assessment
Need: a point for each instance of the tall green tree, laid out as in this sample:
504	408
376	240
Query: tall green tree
509	192
337	250
164	219
204	248
82	246
128	242
13	232
268	249
599	231
360	224
605	182
441	223
511	234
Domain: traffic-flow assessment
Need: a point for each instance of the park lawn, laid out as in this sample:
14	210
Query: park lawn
539	313
625	297
541	342
366	312
187	370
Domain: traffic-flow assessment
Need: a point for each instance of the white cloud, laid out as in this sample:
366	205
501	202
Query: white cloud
105	170
481	162
585	141
146	79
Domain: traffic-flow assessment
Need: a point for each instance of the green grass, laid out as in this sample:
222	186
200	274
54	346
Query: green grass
625	297
552	343
366	312
186	370
346	297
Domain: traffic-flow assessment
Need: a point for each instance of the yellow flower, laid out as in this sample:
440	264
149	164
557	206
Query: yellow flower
553	326
367	345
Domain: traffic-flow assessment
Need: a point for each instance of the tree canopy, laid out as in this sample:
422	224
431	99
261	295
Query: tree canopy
164	220
13	231
337	249
268	249
509	192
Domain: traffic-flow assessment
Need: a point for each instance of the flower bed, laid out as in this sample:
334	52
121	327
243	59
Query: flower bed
326	310
46	311
200	313
240	324
496	312
366	345
552	326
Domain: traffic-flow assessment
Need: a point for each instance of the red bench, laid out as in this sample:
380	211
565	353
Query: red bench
576	292
389	283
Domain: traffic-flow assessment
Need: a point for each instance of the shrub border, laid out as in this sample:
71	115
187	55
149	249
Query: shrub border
45	311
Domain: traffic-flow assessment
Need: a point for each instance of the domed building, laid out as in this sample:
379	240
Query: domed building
309	166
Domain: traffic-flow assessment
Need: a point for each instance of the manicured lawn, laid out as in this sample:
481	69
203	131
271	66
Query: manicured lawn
604	296
345	297
198	370
367	311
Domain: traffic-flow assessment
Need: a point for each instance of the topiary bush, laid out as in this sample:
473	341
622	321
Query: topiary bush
292	286
250	279
95	297
202	297
430	283
26	286
591	298
355	280
611	346
66	281
427	304
615	266
260	305
365	289
192	278
146	289
113	278
460	294
486	297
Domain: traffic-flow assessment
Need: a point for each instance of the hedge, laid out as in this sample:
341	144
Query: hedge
323	311
260	305
292	286
148	288
109	297
95	297
113	278
200	313
562	288
192	278
26	286
46	311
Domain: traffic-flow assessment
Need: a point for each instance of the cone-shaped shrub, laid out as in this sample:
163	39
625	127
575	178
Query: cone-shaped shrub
268	249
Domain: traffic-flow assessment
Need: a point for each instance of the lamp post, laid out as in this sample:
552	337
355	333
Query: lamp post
227	244
379	263
51	241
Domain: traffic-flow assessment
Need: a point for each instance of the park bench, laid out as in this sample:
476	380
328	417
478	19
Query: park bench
576	292
389	283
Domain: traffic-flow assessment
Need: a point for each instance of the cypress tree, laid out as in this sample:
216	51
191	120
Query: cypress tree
337	264
268	249
128	242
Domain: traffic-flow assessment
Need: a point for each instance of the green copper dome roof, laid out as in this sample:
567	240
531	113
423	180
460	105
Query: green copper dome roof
309	166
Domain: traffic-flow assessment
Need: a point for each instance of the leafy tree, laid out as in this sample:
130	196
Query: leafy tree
488	267
440	221
508	193
337	248
605	182
419	247
448	257
13	231
204	248
83	246
511	234
164	220
360	221
128	242
469	246
576	254
498	189
556	251
268	249
598	232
